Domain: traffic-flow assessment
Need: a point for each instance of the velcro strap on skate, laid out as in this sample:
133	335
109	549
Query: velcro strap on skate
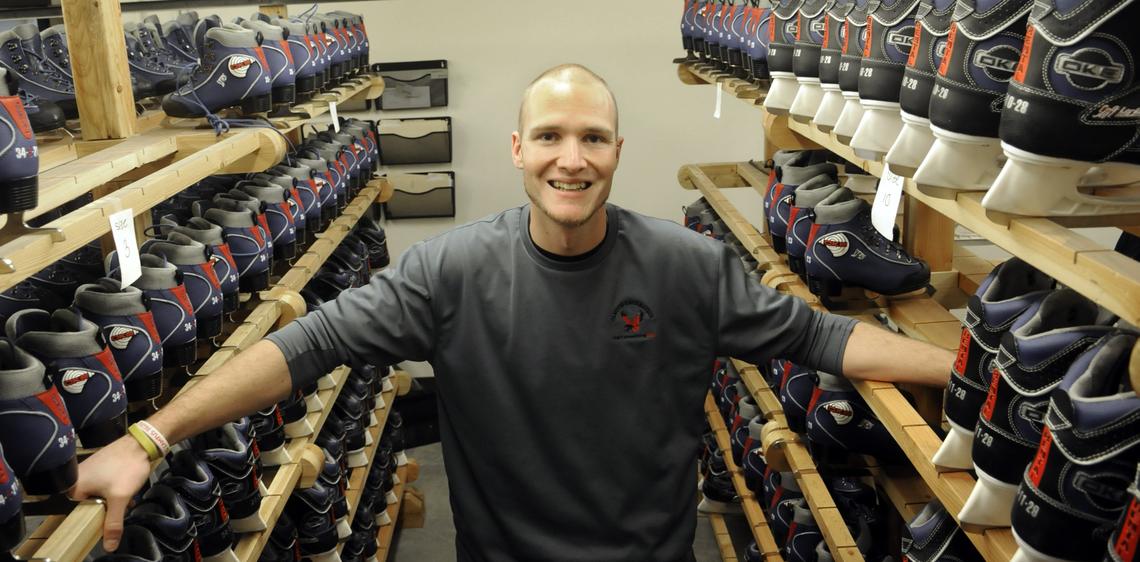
978	26
1076	24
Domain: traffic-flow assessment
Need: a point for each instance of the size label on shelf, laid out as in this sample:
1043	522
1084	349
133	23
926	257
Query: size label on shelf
126	246
888	196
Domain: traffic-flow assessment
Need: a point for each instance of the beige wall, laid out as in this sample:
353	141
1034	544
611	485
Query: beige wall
495	47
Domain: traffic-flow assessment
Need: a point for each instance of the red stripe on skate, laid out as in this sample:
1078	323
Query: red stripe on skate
54	403
1023	61
1125	545
108	361
815	394
963	352
870	36
944	66
913	58
991	396
1037	469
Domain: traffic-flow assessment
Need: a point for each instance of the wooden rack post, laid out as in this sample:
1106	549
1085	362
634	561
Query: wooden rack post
99	64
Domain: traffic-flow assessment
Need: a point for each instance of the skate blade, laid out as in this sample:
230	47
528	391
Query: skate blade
386	386
781	93
326	383
357	459
226	555
262	488
989	504
958	163
395	479
806	103
330	556
343	530
877	130
368	439
391	498
380	403
372	421
711	506
383	519
830	108
299	428
1043	186
848	120
313	403
911	146
250	524
276	457
401	459
956	451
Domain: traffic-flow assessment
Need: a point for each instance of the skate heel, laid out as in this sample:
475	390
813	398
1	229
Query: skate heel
781	93
989	505
958	163
956	451
357	458
343	531
276	457
779	245
257	104
383	519
313	403
209	327
1054	188
830	108
807	99
326	383
254	283
299	428
911	146
849	119
824	287
797	266
19	194
12	532
284	95
179	355
877	130
102	433
143	387
51	481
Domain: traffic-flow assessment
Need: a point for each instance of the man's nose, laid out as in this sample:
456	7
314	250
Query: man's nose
570	158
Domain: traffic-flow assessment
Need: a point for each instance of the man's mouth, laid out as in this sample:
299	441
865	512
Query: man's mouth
564	186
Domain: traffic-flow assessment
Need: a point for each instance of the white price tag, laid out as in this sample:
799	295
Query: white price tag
719	95
332	115
126	246
888	197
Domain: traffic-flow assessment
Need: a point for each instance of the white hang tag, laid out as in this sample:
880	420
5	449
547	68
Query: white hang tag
888	197
332	115
126	246
719	95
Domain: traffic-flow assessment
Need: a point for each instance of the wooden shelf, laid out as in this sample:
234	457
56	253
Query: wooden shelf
723	538
385	534
360	474
761	533
701	74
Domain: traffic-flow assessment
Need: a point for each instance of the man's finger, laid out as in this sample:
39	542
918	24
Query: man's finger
113	523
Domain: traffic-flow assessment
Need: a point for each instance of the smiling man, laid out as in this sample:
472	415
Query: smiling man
572	342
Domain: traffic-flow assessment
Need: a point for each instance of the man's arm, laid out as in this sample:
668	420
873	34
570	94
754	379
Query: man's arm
252	380
875	354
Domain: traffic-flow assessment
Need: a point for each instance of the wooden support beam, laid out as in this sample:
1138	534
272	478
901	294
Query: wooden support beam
99	64
929	235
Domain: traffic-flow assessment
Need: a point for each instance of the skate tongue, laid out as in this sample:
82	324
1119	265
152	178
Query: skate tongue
4	82
179	249
832	383
840	211
21	375
105	298
1107	371
814	191
235	37
29	34
157	273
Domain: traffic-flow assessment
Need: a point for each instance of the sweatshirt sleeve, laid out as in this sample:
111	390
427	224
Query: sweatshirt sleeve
387	321
757	323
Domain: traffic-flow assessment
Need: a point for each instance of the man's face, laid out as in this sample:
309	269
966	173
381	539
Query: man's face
568	149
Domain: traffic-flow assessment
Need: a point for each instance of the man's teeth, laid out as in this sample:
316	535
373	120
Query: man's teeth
570	186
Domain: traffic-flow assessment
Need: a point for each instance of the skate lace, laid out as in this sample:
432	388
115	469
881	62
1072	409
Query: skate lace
880	242
22	57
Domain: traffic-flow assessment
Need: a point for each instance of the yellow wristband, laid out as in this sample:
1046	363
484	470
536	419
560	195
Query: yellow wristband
145	442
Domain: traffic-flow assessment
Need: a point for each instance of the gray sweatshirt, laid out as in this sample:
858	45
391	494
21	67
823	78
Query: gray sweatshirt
570	392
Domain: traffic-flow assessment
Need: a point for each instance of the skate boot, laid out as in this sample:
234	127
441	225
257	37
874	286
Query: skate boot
127	324
804	200
229	453
1031	361
191	478
1122	543
830	104
746	411
153	45
39	440
837	417
711	32
292	199
258	211
81	366
778	197
357	437
719	495
932	25
756	43
279	56
1074	491
734	23
700	28
934	536
282	544
335	479
1009	290
247	240
796	386
21	56
19	163
220	257
199	275
306	192
328	185
983	48
154	77
812	25
304	60
53	42
845	250
279	215
782	510
782	37
688	29
362	546
233	72
269	435
844	122
170	522
804	535
293	412
311	510
137	545
165	292
177	39
199	28
11	509
890	37
321	49
754	465
1069	117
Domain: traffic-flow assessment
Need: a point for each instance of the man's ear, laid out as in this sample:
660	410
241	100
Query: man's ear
516	149
620	141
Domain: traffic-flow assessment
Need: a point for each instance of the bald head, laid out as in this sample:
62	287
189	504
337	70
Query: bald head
565	77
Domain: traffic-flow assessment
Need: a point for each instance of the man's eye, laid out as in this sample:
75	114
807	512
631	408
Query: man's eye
595	139
547	137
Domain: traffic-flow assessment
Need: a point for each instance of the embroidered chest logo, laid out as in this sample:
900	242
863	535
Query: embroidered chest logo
633	320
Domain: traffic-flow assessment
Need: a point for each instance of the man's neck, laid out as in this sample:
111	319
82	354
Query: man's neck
567	241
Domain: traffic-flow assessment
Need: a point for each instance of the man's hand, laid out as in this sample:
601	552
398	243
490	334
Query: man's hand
115	473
